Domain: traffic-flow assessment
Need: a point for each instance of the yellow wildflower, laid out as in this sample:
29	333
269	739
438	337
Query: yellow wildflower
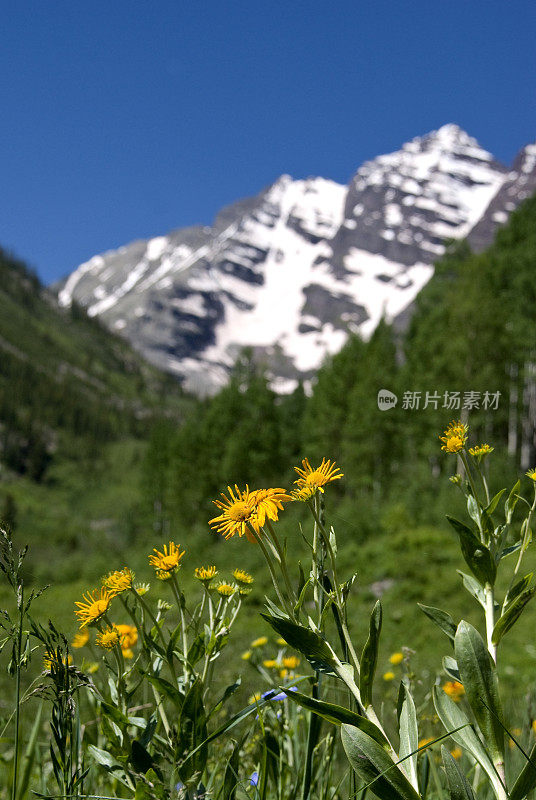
517	733
166	562
238	510
141	588
303	494
317	478
118	581
108	638
424	742
388	676
93	667
454	689
242	577
50	659
396	658
280	641
93	606
268	502
454	437
291	662
456	752
246	656
262	640
80	639
226	589
283	673
480	451
533	726
270	663
254	698
127	652
205	574
531	473
128	634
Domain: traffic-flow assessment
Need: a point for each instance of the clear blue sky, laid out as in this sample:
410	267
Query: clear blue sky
124	120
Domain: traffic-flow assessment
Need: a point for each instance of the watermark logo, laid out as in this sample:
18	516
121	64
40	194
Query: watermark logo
386	400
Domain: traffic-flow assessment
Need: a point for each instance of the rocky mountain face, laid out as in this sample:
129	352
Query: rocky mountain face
292	271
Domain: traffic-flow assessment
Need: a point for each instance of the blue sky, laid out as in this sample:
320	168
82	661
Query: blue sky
124	120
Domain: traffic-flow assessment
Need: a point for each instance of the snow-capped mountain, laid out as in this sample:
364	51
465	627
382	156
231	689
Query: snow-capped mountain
292	271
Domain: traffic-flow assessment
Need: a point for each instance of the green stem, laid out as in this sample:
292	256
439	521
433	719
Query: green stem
283	563
20	603
184	634
469	474
490	619
261	544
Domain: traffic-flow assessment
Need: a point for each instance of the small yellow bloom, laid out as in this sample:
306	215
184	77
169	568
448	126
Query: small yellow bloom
388	676
283	673
246	656
80	639
51	660
456	753
242	577
118	581
93	606
291	662
270	663
319	477
128	634
480	451
424	742
517	733
454	689
531	473
127	653
168	561
93	668
237	511
108	638
281	642
262	640
303	494
533	726
254	698
396	658
205	574
141	588
454	437
226	589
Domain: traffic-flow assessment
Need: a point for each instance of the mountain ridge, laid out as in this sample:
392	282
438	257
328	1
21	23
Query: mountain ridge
293	270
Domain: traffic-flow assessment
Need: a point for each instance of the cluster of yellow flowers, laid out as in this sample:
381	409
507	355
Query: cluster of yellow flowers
395	659
246	511
454	689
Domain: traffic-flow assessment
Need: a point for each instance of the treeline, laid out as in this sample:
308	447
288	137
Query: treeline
67	385
469	352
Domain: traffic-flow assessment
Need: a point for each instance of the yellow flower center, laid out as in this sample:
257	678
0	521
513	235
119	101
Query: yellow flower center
168	562
240	512
100	606
314	478
454	443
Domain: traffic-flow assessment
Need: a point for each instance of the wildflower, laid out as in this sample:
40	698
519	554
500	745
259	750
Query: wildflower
317	478
238	510
246	656
283	673
80	639
396	658
243	591
270	663
93	667
254	778
108	638
454	437
93	607
262	640
456	480
515	732
267	504
168	562
254	698
531	473
388	676
226	589
291	662
50	660
281	642
456	753
303	494
533	726
128	634
454	689
127	652
205	574
480	451
271	695
242	577
141	588
424	742
118	581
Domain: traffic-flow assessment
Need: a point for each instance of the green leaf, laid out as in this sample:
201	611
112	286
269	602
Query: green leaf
442	619
479	678
369	657
459	788
375	766
409	736
490	508
452	717
526	780
167	689
310	644
450	665
192	726
473	587
511	614
196	650
109	763
511	501
229	691
231	779
517	588
477	556
338	715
